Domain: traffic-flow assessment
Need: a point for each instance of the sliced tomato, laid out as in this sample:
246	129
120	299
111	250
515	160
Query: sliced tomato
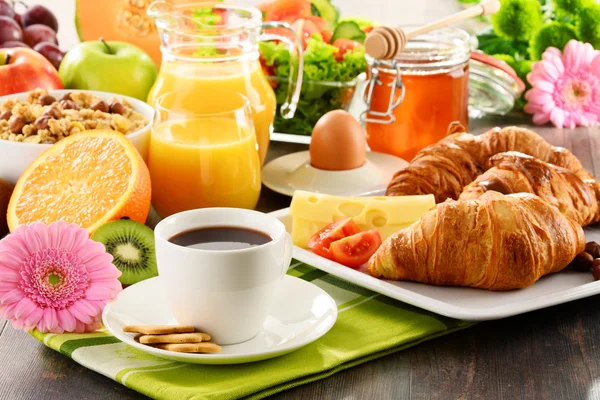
319	22
280	10
327	35
320	241
354	251
305	29
368	29
344	45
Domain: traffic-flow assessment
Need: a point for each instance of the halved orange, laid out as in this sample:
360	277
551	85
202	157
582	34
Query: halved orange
87	179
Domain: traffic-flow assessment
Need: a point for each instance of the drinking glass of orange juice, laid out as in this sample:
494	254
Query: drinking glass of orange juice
203	152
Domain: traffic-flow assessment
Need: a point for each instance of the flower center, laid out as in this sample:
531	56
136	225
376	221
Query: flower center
577	92
54	278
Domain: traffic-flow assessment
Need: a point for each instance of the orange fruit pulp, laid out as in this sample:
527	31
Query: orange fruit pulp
87	179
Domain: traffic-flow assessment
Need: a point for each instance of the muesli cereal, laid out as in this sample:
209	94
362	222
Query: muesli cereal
45	119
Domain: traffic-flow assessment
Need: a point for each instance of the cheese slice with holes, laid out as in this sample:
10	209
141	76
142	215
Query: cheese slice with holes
388	214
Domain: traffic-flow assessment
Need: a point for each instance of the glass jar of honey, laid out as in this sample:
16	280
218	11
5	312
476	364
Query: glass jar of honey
412	99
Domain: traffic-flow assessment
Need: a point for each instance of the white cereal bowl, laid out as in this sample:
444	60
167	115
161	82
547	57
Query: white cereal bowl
15	157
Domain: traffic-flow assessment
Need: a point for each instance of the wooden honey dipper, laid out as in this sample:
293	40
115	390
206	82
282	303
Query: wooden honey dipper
386	42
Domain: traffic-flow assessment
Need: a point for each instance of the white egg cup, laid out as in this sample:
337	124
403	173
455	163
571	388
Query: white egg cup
294	172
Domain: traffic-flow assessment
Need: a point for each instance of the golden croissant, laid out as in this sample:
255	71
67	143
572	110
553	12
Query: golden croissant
496	242
514	172
444	168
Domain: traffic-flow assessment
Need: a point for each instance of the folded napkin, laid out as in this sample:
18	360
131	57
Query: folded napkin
369	326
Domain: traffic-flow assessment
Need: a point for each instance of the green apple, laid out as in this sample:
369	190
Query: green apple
115	67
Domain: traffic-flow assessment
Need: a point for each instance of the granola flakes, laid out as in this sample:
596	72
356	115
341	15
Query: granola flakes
43	119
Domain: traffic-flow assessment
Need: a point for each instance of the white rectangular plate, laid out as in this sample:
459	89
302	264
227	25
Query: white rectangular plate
460	302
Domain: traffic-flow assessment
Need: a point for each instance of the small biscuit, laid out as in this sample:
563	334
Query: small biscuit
195	337
158	329
204	347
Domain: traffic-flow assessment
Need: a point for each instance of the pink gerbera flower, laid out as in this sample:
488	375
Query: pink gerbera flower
55	278
566	87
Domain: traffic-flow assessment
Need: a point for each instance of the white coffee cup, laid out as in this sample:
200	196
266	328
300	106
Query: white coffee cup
226	293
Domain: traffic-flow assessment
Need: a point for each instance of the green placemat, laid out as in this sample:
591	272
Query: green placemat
369	326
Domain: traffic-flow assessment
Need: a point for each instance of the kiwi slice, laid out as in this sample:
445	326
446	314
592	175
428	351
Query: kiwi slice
132	247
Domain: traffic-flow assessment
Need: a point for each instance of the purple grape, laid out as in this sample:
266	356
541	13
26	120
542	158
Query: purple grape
6	9
38	33
11	44
17	18
51	52
10	30
40	15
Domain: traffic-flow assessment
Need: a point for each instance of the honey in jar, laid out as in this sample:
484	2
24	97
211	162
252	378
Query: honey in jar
415	97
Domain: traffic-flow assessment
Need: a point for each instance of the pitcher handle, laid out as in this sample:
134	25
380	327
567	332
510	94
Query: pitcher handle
288	108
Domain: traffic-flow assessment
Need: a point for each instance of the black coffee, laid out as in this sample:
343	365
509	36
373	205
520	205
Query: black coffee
221	238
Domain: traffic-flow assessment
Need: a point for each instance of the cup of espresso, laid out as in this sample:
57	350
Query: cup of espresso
220	267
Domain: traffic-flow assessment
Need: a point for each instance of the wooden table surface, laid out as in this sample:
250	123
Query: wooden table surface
546	354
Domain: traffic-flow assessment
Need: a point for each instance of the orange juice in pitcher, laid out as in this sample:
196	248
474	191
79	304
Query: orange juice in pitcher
208	46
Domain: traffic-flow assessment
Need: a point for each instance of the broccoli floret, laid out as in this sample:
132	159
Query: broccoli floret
518	19
555	34
507	58
588	25
571	6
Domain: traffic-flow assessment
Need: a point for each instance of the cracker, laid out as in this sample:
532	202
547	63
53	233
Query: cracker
204	347
158	329
195	337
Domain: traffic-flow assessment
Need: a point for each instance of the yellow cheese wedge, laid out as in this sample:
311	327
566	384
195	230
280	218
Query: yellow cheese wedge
388	214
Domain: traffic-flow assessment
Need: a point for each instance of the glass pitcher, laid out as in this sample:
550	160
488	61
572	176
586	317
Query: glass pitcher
209	46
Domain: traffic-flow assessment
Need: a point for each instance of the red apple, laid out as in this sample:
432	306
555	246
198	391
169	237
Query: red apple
22	70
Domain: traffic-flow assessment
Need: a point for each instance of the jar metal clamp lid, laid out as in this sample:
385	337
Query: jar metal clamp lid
494	86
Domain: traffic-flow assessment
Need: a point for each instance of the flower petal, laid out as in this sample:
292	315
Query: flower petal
572	56
49	319
80	239
66	320
79	327
556	60
34	317
15	244
541	119
98	292
24	308
90	251
32	239
80	313
5	287
92	327
108	273
8	311
10	259
98	262
557	116
9	275
13	296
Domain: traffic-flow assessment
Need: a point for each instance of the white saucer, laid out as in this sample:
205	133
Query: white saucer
301	313
293	172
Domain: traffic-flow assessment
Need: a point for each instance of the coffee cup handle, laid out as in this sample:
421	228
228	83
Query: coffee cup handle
287	255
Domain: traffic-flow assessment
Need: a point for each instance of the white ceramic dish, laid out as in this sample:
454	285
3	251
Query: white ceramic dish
458	302
293	172
15	157
301	313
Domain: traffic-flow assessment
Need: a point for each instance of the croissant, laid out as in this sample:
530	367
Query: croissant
496	242
445	168
514	172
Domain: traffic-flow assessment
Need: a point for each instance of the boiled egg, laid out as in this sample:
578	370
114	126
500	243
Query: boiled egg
338	142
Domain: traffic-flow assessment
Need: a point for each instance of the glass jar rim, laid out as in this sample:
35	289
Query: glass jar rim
176	110
439	49
165	13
